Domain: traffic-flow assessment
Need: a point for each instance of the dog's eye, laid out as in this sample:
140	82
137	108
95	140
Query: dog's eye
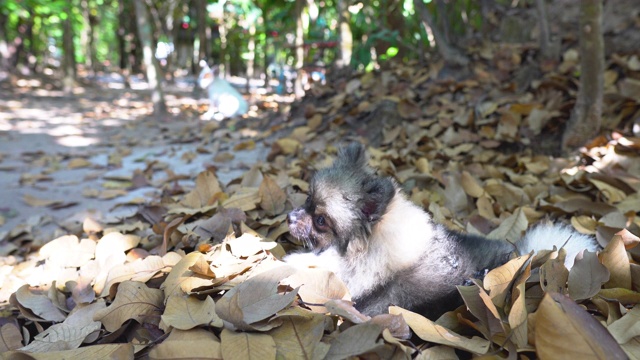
320	220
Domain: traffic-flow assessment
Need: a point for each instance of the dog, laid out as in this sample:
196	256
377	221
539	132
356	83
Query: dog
389	251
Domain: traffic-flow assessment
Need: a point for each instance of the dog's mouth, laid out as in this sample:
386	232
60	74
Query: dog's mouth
304	234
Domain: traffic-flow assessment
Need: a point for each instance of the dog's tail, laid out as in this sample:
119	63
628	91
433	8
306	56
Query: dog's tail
547	235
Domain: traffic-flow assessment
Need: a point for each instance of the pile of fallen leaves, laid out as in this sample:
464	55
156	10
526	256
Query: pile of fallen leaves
198	275
114	293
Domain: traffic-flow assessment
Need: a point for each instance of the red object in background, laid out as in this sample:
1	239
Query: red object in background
184	25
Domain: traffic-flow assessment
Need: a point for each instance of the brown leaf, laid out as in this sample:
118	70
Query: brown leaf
614	257
498	280
187	312
560	321
68	251
135	301
207	187
109	351
586	276
427	330
299	335
181	279
39	304
317	286
244	345
192	344
627	327
356	340
511	228
255	299
272	197
71	333
408	109
10	337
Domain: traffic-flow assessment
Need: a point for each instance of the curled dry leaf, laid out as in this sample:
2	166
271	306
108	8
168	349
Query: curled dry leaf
139	270
485	311
586	276
255	299
614	257
427	330
10	337
36	306
244	345
109	351
560	322
317	286
395	324
511	228
187	312
627	327
272	197
181	279
192	344
299	335
134	300
498	280
554	276
71	333
207	187
356	340
630	240
346	310
470	185
68	251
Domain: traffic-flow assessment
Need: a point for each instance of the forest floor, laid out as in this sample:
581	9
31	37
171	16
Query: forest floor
116	206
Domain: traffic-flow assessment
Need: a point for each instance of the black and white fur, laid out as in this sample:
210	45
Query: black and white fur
388	251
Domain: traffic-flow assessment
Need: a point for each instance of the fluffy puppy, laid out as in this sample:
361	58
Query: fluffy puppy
389	251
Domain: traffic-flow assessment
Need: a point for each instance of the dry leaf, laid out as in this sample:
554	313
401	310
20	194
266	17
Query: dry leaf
134	300
255	299
243	345
192	344
614	258
187	312
356	340
586	276
272	197
560	321
427	330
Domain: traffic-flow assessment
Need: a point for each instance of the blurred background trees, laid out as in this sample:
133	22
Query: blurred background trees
294	41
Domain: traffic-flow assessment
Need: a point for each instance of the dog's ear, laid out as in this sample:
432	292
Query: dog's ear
378	192
352	156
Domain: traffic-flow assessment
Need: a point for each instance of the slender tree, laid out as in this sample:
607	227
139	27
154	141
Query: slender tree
69	66
586	118
299	48
449	53
345	46
150	62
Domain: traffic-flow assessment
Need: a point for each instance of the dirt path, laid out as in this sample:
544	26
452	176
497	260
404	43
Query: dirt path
63	158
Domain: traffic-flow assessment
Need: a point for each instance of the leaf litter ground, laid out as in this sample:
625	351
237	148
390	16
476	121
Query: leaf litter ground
181	224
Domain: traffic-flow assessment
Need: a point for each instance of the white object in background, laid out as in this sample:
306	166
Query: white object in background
224	100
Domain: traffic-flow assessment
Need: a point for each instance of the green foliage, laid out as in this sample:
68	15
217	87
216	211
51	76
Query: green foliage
391	27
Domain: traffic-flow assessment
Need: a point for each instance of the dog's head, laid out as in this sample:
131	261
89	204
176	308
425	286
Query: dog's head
344	202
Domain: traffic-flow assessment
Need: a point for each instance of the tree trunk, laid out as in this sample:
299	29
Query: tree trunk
548	49
69	66
150	62
299	46
450	54
345	46
251	47
203	50
586	118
